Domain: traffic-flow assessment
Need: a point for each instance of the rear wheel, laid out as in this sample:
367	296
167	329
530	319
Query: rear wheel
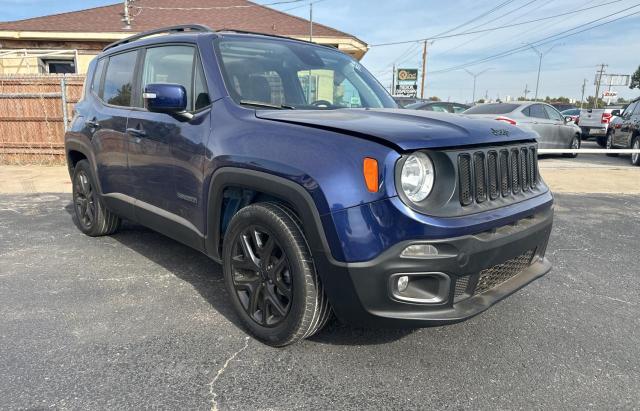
574	145
635	157
91	217
270	275
602	141
609	144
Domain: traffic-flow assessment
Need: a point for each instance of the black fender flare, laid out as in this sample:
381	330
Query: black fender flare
81	145
279	187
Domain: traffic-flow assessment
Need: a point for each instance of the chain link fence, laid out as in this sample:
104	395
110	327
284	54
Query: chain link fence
35	111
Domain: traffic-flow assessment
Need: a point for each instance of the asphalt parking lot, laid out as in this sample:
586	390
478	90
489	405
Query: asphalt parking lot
137	320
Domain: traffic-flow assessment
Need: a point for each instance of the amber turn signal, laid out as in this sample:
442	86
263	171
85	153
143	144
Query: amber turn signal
370	171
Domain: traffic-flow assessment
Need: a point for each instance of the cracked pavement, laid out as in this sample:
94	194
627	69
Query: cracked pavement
137	320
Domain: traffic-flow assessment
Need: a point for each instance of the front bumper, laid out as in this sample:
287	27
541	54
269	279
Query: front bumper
361	293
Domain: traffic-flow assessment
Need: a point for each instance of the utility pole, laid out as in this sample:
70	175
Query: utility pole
526	91
599	74
424	67
584	85
126	17
540	56
475	76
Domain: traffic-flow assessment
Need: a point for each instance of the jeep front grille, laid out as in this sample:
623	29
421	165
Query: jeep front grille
490	175
494	276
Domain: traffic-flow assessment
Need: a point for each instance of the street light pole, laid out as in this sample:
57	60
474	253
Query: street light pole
540	56
475	76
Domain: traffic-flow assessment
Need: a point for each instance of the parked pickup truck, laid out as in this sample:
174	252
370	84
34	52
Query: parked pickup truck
595	122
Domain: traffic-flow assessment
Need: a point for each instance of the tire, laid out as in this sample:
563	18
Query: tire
609	145
91	216
574	144
635	144
270	275
602	141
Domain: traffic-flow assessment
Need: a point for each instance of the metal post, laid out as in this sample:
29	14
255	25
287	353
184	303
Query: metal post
63	97
393	81
540	55
538	79
474	89
311	21
584	85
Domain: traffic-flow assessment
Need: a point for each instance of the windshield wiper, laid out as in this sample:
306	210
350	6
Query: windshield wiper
268	105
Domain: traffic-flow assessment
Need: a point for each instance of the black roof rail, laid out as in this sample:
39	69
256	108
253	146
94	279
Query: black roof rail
168	30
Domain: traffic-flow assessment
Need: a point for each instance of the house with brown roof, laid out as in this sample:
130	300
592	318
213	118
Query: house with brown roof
67	42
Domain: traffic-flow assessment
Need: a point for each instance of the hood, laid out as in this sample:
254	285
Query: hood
405	130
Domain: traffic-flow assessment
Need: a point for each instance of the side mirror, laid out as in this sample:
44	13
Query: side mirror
615	113
165	98
568	119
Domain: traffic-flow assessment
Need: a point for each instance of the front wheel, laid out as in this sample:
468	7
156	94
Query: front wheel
270	275
609	144
574	145
635	157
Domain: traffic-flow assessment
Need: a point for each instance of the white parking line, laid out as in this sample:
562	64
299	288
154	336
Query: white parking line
587	151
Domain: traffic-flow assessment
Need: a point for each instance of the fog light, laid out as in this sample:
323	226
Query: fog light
419	251
403	283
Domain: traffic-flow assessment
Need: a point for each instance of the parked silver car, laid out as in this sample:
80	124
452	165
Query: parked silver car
554	129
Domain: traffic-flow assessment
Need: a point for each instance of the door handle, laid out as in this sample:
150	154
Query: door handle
136	132
92	123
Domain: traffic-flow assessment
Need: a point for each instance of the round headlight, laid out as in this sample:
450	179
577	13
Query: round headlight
417	177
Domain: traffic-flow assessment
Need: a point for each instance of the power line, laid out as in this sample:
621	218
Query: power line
484	34
466	33
472	20
542	41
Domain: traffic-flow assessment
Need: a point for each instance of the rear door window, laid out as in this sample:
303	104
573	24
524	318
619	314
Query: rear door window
118	82
538	111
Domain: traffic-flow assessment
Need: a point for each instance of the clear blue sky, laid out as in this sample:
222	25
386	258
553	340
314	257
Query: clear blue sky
379	21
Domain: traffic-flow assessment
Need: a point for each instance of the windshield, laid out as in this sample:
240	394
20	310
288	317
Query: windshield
496	108
275	73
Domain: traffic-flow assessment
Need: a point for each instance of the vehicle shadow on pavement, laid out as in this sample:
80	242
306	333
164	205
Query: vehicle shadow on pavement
205	275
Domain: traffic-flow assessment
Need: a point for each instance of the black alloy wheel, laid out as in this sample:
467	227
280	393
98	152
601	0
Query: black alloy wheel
271	276
84	199
91	217
262	276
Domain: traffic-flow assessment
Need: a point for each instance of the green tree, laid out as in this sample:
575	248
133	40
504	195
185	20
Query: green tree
480	101
434	98
635	79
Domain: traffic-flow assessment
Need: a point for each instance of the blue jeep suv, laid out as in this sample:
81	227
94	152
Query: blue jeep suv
289	164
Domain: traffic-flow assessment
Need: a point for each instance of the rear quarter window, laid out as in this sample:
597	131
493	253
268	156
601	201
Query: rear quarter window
97	77
118	81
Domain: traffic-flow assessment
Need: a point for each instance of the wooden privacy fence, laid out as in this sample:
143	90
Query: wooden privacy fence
34	113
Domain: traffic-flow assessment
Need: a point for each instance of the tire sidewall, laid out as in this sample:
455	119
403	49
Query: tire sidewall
253	215
83	166
634	141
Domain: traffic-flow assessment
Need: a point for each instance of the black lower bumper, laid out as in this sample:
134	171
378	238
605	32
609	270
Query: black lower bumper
361	293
